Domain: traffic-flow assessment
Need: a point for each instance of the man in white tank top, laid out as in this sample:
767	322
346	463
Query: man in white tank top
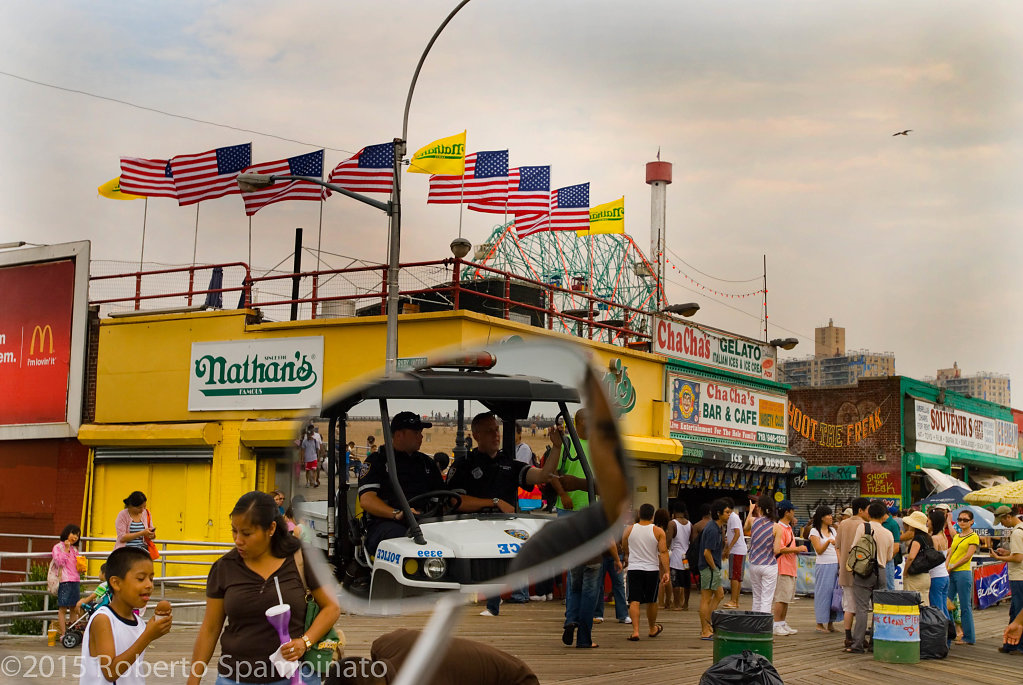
679	532
646	547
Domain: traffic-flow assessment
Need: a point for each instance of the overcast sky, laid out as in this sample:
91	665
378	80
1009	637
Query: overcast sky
777	116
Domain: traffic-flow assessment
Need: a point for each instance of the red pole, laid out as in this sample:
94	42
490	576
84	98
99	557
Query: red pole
316	278
507	294
138	291
191	282
383	290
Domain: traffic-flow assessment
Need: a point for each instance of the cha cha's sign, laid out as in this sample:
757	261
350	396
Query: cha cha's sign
942	425
721	410
688	343
282	373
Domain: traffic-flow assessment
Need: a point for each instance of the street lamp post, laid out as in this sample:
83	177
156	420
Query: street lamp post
250	182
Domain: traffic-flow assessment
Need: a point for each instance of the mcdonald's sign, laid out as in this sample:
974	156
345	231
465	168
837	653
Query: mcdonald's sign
43	332
35	341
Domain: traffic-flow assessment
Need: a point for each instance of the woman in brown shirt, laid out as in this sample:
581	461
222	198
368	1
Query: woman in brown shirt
241	587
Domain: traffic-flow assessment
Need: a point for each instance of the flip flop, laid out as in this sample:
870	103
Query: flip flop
586	646
707	637
633	638
730	605
854	650
660	629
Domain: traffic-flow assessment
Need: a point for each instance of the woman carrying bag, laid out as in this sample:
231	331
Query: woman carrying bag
939	574
917	578
65	562
242	585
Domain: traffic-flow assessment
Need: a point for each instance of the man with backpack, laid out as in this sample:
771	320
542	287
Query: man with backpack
866	561
844	540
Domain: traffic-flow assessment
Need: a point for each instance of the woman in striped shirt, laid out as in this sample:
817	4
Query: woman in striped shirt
761	525
134	525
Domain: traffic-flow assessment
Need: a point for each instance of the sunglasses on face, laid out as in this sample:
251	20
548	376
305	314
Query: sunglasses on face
965	520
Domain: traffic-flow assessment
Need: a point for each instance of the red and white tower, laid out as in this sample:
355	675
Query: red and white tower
658	176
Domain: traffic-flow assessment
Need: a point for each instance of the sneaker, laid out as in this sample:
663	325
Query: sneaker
780	630
627	620
538	598
792	631
486	612
550	595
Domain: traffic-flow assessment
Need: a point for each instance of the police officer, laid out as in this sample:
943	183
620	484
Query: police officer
417	474
491	478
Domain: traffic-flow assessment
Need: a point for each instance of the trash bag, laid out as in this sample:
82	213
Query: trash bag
747	668
737	621
933	633
899	598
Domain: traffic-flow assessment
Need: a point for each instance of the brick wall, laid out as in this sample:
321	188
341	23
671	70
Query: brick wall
848	425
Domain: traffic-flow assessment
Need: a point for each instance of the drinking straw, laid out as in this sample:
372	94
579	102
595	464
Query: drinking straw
280	600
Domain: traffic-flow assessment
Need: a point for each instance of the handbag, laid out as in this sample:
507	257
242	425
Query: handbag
836	599
925	560
53	578
154	553
330	647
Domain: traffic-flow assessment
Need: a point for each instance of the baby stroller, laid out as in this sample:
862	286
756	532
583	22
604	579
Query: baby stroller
73	633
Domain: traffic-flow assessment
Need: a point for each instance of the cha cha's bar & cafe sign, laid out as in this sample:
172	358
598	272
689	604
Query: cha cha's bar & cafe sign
721	410
282	373
689	343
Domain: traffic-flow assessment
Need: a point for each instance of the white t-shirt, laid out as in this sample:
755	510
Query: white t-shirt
125	635
523	453
830	556
735	524
679	545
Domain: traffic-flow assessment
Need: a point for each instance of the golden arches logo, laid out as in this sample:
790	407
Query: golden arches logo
42	332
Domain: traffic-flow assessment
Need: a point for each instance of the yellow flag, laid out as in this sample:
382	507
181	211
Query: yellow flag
607	218
445	156
112	189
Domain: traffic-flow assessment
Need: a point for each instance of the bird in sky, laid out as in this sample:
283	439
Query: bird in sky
902	133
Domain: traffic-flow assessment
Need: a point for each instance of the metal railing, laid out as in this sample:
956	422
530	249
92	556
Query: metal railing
427	286
168	557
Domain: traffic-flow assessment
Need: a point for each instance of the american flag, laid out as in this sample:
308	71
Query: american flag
570	208
310	164
209	175
370	170
529	189
148	177
528	224
485	180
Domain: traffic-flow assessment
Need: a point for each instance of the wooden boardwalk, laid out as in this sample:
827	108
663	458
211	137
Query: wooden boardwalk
533	633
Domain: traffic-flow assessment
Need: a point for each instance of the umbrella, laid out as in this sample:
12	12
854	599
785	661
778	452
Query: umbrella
215	300
1007	493
953	495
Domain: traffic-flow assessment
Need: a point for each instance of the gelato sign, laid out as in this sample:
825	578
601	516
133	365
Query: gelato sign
721	410
942	425
691	344
283	373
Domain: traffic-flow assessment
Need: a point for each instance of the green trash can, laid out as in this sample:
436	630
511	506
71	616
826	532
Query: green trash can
896	626
735	631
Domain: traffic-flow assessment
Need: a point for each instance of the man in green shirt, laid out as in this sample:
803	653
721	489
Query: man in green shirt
893	526
573	478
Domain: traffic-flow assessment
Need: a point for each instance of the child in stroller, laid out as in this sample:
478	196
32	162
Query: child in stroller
87	606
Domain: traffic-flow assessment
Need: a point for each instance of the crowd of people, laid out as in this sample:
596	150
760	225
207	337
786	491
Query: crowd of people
661	557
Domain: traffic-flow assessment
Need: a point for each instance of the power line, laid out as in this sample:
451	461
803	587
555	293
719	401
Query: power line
704	273
745	313
169	114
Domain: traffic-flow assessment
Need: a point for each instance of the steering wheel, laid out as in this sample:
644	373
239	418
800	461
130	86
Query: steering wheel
441	503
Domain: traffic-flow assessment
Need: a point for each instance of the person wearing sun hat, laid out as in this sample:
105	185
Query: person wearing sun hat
919	539
1014	556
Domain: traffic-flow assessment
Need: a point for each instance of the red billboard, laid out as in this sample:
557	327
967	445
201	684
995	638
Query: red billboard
35	341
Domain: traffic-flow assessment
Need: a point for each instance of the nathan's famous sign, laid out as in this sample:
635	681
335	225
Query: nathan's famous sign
279	373
711	348
35	341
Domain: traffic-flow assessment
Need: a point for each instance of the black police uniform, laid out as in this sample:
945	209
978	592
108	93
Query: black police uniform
417	474
486	478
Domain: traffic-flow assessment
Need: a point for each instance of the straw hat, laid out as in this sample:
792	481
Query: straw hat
917	520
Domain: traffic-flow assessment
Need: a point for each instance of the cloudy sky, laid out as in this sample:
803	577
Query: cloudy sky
778	117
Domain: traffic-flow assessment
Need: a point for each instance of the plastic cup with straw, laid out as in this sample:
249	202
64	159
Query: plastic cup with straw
279	617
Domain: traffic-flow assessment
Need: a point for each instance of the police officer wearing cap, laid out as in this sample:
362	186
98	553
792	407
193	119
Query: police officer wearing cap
491	478
417	474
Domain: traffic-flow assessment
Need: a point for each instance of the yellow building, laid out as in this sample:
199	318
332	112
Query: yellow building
195	452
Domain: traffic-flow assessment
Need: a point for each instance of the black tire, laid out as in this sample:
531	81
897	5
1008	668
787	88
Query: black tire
71	639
